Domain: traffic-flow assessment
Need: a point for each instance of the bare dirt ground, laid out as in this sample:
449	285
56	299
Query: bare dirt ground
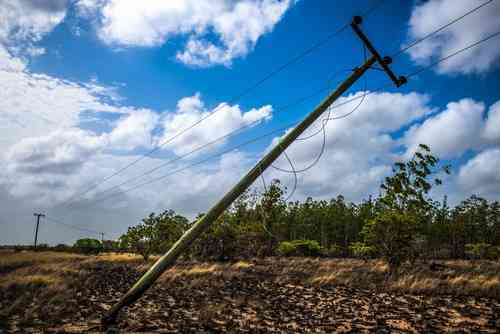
55	293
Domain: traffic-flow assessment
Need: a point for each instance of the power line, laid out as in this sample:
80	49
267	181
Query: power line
292	61
468	47
255	139
231	149
58	222
217	140
323	129
419	40
232	100
295	122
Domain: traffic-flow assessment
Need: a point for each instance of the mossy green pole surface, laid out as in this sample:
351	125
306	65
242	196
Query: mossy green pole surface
168	260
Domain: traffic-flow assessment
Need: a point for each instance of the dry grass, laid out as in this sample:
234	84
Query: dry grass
478	278
25	270
21	259
45	287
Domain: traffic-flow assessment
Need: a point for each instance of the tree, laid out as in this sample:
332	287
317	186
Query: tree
391	234
156	234
407	208
138	239
271	209
402	223
88	246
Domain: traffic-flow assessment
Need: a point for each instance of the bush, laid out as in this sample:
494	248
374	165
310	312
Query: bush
361	250
333	251
88	246
299	248
393	236
481	251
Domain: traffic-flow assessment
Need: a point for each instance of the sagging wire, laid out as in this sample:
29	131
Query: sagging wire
323	129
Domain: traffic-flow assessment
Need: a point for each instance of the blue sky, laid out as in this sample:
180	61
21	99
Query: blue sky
90	85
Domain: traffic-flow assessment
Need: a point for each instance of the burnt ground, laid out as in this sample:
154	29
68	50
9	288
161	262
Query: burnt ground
253	300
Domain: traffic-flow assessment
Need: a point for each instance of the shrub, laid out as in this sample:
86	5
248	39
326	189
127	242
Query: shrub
334	251
361	250
299	248
392	235
480	250
88	246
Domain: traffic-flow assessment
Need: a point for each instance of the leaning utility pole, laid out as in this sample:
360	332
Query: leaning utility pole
169	258
37	215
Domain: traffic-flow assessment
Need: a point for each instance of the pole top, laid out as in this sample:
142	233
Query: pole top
357	20
385	61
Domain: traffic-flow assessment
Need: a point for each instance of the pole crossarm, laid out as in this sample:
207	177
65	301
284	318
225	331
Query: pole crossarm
168	259
384	62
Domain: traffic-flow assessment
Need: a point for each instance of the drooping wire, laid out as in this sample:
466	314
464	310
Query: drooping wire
400	51
293	169
324	122
382	87
245	92
230	134
292	61
389	84
323	129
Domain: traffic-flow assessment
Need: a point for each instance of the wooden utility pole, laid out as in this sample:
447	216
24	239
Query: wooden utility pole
37	215
169	258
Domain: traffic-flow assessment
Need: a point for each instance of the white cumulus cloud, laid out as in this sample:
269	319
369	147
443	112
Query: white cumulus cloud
134	130
427	16
359	149
224	119
28	21
462	126
217	30
480	176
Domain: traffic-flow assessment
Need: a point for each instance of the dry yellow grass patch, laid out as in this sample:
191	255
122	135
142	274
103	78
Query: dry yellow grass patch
18	259
479	278
119	257
242	265
29	280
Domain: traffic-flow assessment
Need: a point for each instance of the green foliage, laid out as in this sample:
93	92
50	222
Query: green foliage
403	223
110	245
333	251
88	246
156	234
391	234
361	250
299	248
408	188
480	250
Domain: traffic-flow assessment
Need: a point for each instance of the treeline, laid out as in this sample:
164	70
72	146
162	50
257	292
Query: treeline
402	224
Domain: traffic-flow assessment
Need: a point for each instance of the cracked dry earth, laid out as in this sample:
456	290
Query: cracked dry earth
252	301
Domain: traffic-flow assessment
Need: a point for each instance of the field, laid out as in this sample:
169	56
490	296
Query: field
67	293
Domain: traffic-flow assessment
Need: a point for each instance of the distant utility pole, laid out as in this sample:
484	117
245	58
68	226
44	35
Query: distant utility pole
102	237
37	215
169	258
